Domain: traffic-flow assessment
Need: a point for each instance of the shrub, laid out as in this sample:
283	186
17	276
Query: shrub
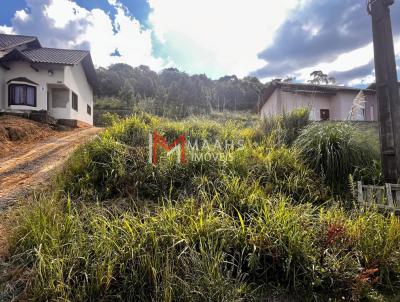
94	169
335	151
108	119
279	170
286	127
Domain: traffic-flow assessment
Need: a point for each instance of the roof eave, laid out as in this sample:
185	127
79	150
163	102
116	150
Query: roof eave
89	69
34	39
15	52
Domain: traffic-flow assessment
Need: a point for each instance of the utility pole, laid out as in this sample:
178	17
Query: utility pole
387	88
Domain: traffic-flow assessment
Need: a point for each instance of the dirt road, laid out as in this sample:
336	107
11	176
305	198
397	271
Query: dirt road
32	166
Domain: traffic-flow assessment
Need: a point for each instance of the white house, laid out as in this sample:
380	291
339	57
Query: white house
326	102
56	81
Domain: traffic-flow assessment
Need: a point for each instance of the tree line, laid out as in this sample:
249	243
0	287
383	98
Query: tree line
175	90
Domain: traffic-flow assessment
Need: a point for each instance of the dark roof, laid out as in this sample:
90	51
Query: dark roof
21	79
55	56
307	88
318	88
10	41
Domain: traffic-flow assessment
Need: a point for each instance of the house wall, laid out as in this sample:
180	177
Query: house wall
271	108
371	108
75	79
343	103
316	102
2	89
41	77
339	105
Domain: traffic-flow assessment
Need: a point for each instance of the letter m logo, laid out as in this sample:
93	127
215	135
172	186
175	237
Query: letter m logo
178	146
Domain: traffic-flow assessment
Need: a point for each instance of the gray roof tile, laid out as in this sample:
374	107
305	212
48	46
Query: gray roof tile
9	41
55	55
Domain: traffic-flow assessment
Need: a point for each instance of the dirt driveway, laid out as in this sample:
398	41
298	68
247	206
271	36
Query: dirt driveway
32	166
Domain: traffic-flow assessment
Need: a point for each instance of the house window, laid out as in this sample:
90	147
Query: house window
89	110
74	101
20	94
324	114
60	97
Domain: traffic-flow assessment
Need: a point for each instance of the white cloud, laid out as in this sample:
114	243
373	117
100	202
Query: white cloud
65	24
6	30
223	36
22	15
215	37
344	62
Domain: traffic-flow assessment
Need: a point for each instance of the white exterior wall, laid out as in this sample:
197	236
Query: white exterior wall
41	77
2	89
75	79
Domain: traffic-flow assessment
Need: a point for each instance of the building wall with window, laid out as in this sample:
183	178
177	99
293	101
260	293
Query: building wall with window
315	102
42	78
338	105
76	80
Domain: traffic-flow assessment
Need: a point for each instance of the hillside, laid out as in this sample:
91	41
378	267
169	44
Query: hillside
251	220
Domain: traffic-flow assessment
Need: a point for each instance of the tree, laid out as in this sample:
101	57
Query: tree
318	78
172	88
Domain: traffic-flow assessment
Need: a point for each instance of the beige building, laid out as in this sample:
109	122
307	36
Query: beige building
326	102
58	82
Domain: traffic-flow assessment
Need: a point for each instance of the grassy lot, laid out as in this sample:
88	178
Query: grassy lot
268	218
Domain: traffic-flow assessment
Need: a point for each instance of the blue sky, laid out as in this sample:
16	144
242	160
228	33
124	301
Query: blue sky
264	38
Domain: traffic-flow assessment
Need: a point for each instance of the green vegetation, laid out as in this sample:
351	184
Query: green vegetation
240	224
287	127
172	93
337	150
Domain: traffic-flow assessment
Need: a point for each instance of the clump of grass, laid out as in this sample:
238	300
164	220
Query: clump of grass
94	169
335	151
286	127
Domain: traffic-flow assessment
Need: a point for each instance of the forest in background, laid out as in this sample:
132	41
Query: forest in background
173	92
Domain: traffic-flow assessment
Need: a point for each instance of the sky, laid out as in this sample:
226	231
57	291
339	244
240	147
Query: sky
263	38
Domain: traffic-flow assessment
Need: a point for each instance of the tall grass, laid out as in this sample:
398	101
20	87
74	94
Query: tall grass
214	250
337	150
286	127
209	230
